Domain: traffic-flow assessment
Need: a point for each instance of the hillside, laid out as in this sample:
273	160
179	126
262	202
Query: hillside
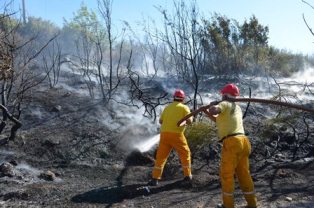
69	153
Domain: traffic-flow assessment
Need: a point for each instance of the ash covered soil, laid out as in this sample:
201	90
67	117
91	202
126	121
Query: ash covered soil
68	154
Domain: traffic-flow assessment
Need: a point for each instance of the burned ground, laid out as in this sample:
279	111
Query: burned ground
78	140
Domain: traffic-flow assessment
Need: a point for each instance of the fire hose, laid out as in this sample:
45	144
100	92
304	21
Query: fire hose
255	100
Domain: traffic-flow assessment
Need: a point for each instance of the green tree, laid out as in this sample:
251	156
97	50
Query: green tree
219	36
233	48
83	34
254	38
84	21
283	63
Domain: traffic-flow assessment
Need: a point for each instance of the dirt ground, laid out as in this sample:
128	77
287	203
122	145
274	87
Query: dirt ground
77	141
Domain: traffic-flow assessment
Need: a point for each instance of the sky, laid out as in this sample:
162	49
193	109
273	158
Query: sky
287	29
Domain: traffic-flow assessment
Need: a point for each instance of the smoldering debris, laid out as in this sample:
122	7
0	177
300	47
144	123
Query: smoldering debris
139	158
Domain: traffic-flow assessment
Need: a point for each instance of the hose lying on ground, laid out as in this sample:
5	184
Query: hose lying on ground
255	100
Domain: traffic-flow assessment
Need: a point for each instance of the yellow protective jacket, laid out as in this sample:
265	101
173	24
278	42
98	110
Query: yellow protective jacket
171	115
229	120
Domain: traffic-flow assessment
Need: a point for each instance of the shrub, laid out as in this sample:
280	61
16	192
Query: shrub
199	134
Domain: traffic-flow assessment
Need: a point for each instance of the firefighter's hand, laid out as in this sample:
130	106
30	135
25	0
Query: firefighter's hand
203	108
183	124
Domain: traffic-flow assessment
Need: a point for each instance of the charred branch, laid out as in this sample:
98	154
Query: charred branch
17	123
150	103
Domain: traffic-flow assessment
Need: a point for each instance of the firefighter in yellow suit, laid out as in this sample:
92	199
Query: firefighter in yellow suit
235	150
172	137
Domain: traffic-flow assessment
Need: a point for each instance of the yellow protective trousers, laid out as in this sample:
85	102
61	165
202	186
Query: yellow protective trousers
169	141
235	161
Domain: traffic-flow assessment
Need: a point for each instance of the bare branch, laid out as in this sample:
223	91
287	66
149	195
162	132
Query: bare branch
308	4
310	29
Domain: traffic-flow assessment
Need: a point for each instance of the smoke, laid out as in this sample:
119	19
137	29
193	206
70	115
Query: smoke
22	171
36	112
305	77
128	121
300	85
27	169
4	154
72	79
147	69
296	88
21	167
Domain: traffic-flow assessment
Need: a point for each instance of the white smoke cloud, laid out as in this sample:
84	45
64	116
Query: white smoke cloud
297	87
306	76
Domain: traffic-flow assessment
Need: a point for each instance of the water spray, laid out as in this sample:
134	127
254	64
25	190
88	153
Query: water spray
255	100
148	144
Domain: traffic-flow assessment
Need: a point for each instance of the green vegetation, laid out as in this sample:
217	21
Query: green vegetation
84	22
200	134
243	48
